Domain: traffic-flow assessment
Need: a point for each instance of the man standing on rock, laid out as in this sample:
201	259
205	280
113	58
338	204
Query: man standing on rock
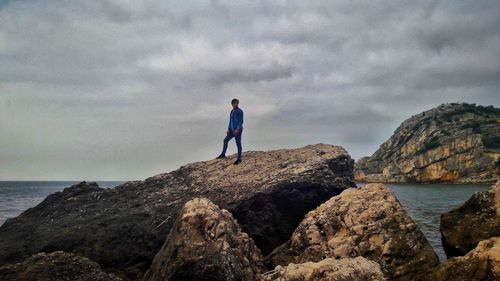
234	129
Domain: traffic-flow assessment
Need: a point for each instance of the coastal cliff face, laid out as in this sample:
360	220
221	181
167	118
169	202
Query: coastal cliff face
454	142
122	228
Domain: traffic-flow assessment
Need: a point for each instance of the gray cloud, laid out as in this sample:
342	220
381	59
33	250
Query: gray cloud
125	89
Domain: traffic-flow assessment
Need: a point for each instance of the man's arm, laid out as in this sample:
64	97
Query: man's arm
240	120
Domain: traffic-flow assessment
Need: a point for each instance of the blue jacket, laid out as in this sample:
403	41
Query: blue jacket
236	119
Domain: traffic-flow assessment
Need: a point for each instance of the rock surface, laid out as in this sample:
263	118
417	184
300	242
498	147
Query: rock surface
122	228
481	264
348	269
449	143
55	266
368	222
477	219
206	243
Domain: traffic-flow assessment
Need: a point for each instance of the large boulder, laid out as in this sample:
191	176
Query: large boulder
348	269
477	219
368	222
480	264
122	228
54	267
206	243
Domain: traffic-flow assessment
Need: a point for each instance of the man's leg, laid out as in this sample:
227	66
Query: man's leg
226	140
238	143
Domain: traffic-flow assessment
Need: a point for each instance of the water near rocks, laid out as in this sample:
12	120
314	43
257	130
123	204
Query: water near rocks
423	202
426	202
17	196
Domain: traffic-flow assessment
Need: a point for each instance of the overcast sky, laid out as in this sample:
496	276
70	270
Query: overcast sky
126	89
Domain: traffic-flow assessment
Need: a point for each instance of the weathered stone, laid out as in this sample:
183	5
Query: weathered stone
54	267
206	243
122	228
449	143
480	264
476	220
368	222
348	269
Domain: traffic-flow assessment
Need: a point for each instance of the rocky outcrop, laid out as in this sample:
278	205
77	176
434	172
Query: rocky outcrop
206	243
477	219
481	264
55	266
122	228
450	143
368	222
348	269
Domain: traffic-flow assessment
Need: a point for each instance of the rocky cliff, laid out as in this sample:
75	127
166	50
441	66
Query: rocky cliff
450	143
122	228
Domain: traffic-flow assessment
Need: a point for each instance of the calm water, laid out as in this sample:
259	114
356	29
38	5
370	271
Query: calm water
426	202
423	202
17	196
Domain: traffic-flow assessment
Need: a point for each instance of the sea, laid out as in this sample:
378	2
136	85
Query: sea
423	202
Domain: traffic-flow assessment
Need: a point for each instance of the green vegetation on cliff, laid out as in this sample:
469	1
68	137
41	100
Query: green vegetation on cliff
491	141
472	108
431	144
454	142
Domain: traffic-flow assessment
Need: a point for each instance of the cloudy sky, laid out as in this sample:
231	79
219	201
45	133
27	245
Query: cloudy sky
125	89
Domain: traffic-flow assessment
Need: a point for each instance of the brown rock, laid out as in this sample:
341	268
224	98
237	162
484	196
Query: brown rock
348	269
206	243
54	267
368	222
480	264
450	143
122	228
476	220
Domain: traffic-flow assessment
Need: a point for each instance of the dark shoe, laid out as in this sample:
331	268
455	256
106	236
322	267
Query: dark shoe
238	161
221	156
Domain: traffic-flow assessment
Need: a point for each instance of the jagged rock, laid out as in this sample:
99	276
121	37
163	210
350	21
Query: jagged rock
480	264
54	267
122	228
450	143
368	222
477	219
348	269
206	243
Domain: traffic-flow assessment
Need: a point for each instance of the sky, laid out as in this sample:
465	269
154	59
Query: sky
126	89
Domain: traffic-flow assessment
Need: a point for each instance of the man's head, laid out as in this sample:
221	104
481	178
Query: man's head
235	103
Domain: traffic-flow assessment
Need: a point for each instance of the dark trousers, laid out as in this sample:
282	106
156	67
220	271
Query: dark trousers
238	142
